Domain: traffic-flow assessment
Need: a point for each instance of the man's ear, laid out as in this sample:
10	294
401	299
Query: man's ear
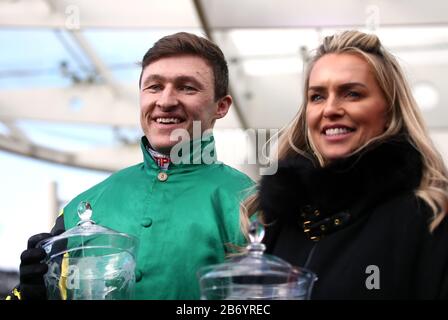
224	104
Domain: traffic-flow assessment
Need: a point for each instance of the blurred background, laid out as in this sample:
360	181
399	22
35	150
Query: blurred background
69	111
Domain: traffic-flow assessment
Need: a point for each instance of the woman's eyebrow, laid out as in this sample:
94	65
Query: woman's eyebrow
317	88
352	84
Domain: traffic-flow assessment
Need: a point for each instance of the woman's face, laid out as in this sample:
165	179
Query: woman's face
346	107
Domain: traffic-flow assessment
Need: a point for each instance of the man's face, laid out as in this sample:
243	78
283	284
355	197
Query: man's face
175	91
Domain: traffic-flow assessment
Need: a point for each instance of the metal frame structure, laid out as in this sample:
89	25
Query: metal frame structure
268	101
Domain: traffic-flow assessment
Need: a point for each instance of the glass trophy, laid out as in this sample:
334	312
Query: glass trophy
90	262
255	275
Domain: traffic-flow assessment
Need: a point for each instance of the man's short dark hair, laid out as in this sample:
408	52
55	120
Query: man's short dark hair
184	43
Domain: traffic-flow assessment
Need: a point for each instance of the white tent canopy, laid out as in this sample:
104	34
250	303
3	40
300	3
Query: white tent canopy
69	72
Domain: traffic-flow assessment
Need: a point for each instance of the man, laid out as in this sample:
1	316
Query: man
181	204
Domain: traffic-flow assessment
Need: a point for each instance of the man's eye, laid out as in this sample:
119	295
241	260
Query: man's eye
188	89
154	88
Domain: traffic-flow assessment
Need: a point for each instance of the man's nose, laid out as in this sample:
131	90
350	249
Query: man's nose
167	99
333	108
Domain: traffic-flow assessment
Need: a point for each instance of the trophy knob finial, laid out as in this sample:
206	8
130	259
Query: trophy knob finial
84	211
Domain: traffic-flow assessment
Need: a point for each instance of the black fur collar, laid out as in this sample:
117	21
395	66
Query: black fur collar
354	183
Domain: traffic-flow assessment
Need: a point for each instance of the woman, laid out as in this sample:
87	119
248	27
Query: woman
361	194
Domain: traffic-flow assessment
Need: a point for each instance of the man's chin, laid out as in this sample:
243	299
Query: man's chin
163	147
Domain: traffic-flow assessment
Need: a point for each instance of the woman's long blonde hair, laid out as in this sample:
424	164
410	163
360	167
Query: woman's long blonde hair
403	117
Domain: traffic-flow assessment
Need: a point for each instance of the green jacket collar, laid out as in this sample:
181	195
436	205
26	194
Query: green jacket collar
186	155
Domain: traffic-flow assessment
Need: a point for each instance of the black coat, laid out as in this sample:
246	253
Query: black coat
358	225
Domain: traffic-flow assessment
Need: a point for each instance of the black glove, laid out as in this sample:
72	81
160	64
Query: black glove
32	270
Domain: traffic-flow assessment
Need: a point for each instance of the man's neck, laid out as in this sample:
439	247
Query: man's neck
161	151
163	161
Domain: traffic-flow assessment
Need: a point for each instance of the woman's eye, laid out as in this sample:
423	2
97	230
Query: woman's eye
353	94
315	97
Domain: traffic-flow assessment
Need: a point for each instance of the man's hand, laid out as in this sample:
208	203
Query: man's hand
32	270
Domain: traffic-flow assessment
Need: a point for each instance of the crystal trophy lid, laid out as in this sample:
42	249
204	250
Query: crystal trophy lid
255	275
88	232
